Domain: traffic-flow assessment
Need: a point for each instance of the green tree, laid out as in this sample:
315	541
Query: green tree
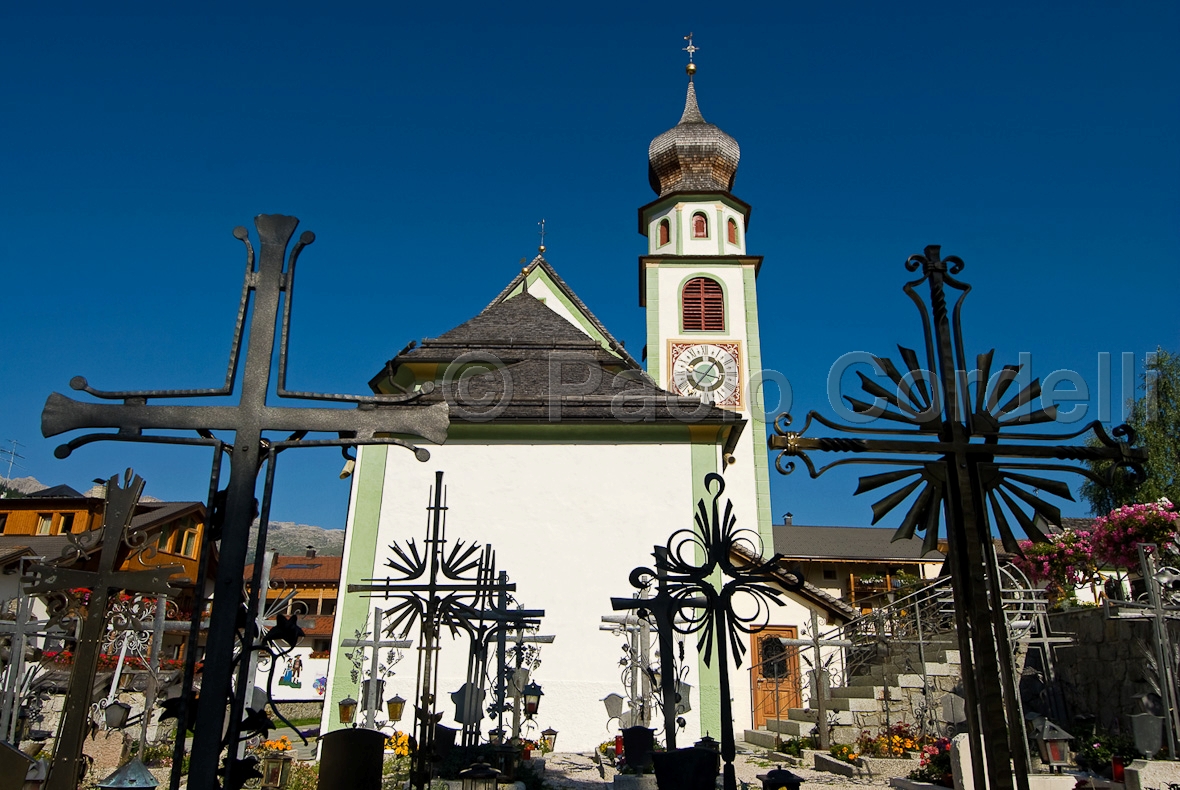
1155	416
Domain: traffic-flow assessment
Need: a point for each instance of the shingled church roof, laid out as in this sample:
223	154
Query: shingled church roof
541	367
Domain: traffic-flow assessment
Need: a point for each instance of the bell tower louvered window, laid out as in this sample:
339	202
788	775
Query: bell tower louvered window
703	305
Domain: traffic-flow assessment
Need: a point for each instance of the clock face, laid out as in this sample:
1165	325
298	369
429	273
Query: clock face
709	371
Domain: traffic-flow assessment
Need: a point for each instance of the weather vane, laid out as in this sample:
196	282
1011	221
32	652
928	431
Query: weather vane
541	248
691	68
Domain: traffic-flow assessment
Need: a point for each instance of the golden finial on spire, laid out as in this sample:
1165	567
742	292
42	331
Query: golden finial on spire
691	68
541	248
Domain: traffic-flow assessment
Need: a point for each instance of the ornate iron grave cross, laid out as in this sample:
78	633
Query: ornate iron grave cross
372	700
637	674
1159	604
49	579
687	588
375	420
18	631
437	588
954	458
495	622
819	675
513	683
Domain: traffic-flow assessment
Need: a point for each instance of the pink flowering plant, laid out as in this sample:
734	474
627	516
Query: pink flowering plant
1073	557
1066	561
1116	533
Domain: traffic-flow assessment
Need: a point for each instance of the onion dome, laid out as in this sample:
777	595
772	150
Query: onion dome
692	156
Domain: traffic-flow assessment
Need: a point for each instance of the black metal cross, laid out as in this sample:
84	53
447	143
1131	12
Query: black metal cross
665	609
955	466
438	589
687	588
374	421
496	622
46	579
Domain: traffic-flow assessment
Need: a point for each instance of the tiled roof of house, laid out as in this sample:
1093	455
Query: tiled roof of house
847	543
300	569
56	492
810	592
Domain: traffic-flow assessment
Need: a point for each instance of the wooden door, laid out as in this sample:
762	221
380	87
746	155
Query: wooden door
775	675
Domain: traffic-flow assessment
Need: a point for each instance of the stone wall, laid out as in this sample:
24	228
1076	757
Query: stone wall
1103	673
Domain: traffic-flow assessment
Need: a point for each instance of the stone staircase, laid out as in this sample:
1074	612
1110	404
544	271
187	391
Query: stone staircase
902	659
880	694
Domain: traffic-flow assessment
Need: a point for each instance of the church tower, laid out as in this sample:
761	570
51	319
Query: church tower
698	286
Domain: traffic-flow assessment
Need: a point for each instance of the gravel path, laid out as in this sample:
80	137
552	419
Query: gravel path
571	771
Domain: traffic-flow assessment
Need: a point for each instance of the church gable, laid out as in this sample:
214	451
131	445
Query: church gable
536	363
543	282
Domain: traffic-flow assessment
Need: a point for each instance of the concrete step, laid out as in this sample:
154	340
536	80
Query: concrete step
790	728
865	691
762	738
810	716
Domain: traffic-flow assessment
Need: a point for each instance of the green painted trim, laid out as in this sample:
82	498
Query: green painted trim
704	461
655	348
354	609
586	325
757	411
680	307
679	229
720	236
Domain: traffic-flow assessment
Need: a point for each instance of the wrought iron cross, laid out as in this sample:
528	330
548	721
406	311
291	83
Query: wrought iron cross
18	630
819	675
374	420
708	611
664	608
959	459
44	579
495	623
437	589
372	700
690	49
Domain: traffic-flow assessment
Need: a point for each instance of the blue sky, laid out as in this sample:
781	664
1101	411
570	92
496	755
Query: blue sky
1035	140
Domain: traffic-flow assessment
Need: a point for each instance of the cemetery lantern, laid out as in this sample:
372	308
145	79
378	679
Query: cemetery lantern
276	770
479	776
532	699
548	739
780	779
116	715
347	710
1053	744
395	707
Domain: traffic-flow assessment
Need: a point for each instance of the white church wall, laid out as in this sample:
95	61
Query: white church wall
568	523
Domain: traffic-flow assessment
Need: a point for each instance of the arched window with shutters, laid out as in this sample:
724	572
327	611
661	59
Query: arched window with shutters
703	305
732	228
700	225
665	232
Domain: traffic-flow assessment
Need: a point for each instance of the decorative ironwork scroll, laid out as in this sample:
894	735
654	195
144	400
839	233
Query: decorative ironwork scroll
684	581
958	459
269	281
